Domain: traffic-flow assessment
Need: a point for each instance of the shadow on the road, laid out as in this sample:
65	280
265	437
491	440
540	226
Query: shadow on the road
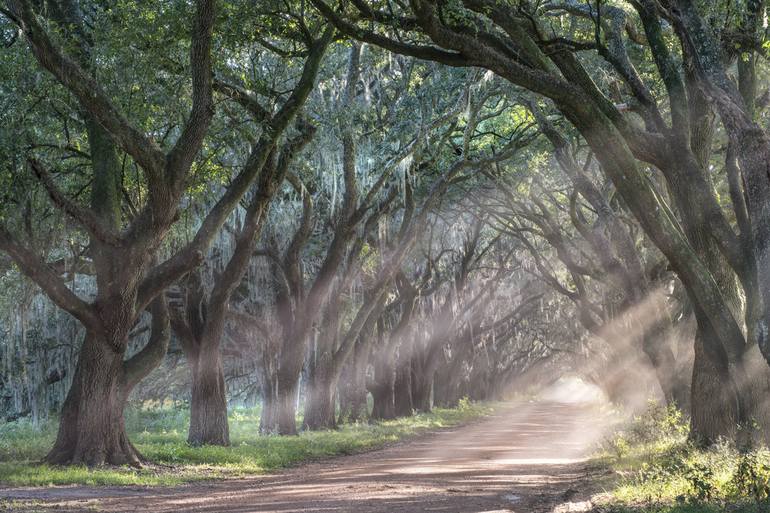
526	459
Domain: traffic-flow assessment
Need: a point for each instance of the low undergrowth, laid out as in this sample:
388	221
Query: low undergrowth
160	435
661	471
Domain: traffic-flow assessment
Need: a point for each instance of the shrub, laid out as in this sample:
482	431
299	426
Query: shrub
752	476
662	471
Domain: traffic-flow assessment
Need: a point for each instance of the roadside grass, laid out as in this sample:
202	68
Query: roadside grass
160	435
660	471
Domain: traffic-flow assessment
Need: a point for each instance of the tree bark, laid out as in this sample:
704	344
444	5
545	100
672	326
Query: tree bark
714	409
422	386
382	389
286	401
208	404
352	389
268	418
402	387
319	401
447	384
91	428
442	387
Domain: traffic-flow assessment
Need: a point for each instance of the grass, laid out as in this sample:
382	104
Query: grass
660	471
160	435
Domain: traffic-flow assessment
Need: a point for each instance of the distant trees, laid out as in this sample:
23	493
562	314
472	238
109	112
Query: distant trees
200	325
634	127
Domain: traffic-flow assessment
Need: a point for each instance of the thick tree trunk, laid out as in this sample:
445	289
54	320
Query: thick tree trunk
422	385
757	394
268	420
453	391
286	404
714	406
353	407
208	404
479	382
442	386
319	402
352	389
382	387
402	387
383	407
319	409
92	429
656	346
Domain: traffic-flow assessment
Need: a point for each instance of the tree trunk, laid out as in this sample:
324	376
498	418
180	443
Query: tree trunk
714	408
442	386
353	407
757	393
208	405
421	388
268	419
383	400
319	403
656	345
447	386
402	387
352	390
286	404
92	429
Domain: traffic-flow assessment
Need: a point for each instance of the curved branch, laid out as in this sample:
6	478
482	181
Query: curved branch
83	216
47	279
88	92
191	255
420	51
181	156
142	363
244	98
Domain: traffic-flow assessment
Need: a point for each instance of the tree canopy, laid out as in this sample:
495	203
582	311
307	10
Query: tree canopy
312	202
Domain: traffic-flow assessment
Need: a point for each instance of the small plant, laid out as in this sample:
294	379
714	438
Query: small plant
620	446
658	422
701	479
752	476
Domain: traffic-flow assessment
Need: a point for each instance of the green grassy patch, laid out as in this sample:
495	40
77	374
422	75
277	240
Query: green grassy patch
160	435
660	471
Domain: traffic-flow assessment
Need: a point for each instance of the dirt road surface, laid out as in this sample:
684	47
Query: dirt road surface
527	458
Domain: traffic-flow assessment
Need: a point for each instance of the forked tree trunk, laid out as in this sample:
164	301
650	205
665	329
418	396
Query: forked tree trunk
208	404
92	429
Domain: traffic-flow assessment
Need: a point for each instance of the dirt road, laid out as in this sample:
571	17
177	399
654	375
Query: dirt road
527	459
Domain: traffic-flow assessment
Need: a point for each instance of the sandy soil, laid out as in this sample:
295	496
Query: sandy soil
527	458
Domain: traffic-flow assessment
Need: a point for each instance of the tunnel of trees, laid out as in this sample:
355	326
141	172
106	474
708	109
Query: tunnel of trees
364	209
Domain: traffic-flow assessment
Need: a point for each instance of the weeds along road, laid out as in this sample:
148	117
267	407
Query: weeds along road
527	458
